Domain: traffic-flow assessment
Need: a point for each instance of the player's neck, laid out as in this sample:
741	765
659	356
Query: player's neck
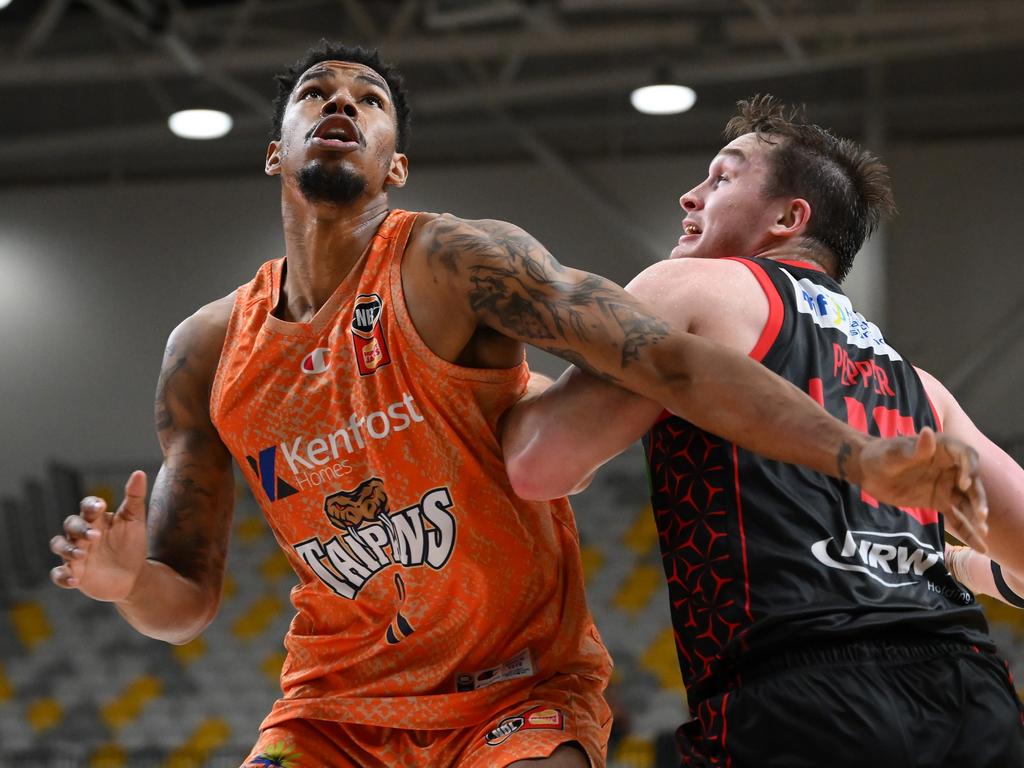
794	252
322	245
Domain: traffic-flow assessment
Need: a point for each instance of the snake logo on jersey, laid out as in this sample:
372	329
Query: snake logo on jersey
371	537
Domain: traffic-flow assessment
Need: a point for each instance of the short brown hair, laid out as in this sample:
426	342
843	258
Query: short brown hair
847	187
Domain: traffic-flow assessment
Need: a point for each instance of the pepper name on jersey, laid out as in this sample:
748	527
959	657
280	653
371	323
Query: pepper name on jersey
372	537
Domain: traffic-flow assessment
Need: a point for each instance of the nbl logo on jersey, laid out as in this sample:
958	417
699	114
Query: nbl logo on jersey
368	340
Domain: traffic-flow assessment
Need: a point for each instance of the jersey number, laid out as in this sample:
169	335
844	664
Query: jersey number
890	423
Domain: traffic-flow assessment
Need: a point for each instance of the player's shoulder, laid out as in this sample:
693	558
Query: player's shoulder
694	279
940	397
202	333
435	228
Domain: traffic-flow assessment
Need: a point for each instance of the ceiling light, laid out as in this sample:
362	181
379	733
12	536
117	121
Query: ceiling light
4	4
199	123
663	99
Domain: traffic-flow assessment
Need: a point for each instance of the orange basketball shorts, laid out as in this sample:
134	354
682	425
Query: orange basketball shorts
562	709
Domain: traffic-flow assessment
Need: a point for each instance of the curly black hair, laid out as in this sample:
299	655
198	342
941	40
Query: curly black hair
847	187
328	51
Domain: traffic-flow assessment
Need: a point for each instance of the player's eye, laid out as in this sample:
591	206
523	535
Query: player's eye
377	101
313	92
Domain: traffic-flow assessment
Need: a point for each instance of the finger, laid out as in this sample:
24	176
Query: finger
61	576
66	549
968	466
978	498
134	505
973	532
76	527
92	508
926	444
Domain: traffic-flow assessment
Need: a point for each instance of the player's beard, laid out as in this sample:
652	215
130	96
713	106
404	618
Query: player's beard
339	185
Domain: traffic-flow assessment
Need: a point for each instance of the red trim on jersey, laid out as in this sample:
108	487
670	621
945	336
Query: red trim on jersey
743	533
800	264
725	727
776	310
662	416
816	390
935	413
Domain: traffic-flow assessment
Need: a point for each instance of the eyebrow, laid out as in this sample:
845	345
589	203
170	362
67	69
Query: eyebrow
738	153
328	72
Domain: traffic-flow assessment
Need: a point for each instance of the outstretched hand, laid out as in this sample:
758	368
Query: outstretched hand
103	552
932	471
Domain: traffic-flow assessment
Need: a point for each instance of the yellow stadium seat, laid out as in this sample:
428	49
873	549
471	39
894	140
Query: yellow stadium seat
127	707
660	659
592	558
208	736
44	714
638	589
642	535
30	624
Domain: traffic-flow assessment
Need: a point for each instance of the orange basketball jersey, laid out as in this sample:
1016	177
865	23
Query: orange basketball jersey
429	595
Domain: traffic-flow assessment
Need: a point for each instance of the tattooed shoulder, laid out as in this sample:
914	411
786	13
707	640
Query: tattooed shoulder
190	361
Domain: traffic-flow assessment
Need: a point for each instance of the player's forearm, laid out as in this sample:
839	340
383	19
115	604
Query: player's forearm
974	570
736	398
165	605
555	439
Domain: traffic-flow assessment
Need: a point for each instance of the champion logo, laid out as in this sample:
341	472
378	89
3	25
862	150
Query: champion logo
316	361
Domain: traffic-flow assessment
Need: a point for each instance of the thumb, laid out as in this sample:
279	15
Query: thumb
134	505
926	444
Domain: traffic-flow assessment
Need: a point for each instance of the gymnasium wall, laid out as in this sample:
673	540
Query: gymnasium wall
93	278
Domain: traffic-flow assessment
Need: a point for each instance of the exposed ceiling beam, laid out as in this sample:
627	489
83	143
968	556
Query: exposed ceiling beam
411	50
772	23
734	70
608	209
989	22
42	26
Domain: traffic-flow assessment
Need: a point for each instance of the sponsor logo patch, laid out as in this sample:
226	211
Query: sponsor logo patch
273	486
368	340
518	666
892	559
828	309
323	459
538	718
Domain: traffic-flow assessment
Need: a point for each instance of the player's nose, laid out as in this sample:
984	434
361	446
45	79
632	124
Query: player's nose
690	201
339	103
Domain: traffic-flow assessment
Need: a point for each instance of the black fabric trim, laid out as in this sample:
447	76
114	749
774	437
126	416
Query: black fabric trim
1004	589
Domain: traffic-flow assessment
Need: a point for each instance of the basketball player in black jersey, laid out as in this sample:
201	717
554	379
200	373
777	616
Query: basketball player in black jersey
814	625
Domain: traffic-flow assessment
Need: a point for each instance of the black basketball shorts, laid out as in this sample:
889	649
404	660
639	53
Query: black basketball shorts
863	705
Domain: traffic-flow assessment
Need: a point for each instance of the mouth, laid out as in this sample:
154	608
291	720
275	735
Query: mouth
690	229
336	132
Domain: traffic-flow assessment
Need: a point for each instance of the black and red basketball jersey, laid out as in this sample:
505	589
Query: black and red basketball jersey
763	557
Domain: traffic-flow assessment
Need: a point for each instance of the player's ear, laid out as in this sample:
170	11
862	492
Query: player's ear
399	170
273	164
793	218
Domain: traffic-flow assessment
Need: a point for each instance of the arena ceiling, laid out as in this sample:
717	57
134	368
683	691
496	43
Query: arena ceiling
86	85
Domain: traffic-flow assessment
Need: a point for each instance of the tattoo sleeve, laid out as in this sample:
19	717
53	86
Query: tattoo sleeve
190	507
843	456
516	287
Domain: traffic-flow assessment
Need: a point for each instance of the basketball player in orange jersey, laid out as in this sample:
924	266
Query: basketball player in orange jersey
814	625
358	382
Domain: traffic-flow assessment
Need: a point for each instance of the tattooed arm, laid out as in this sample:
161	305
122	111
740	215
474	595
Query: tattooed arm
500	277
173	592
